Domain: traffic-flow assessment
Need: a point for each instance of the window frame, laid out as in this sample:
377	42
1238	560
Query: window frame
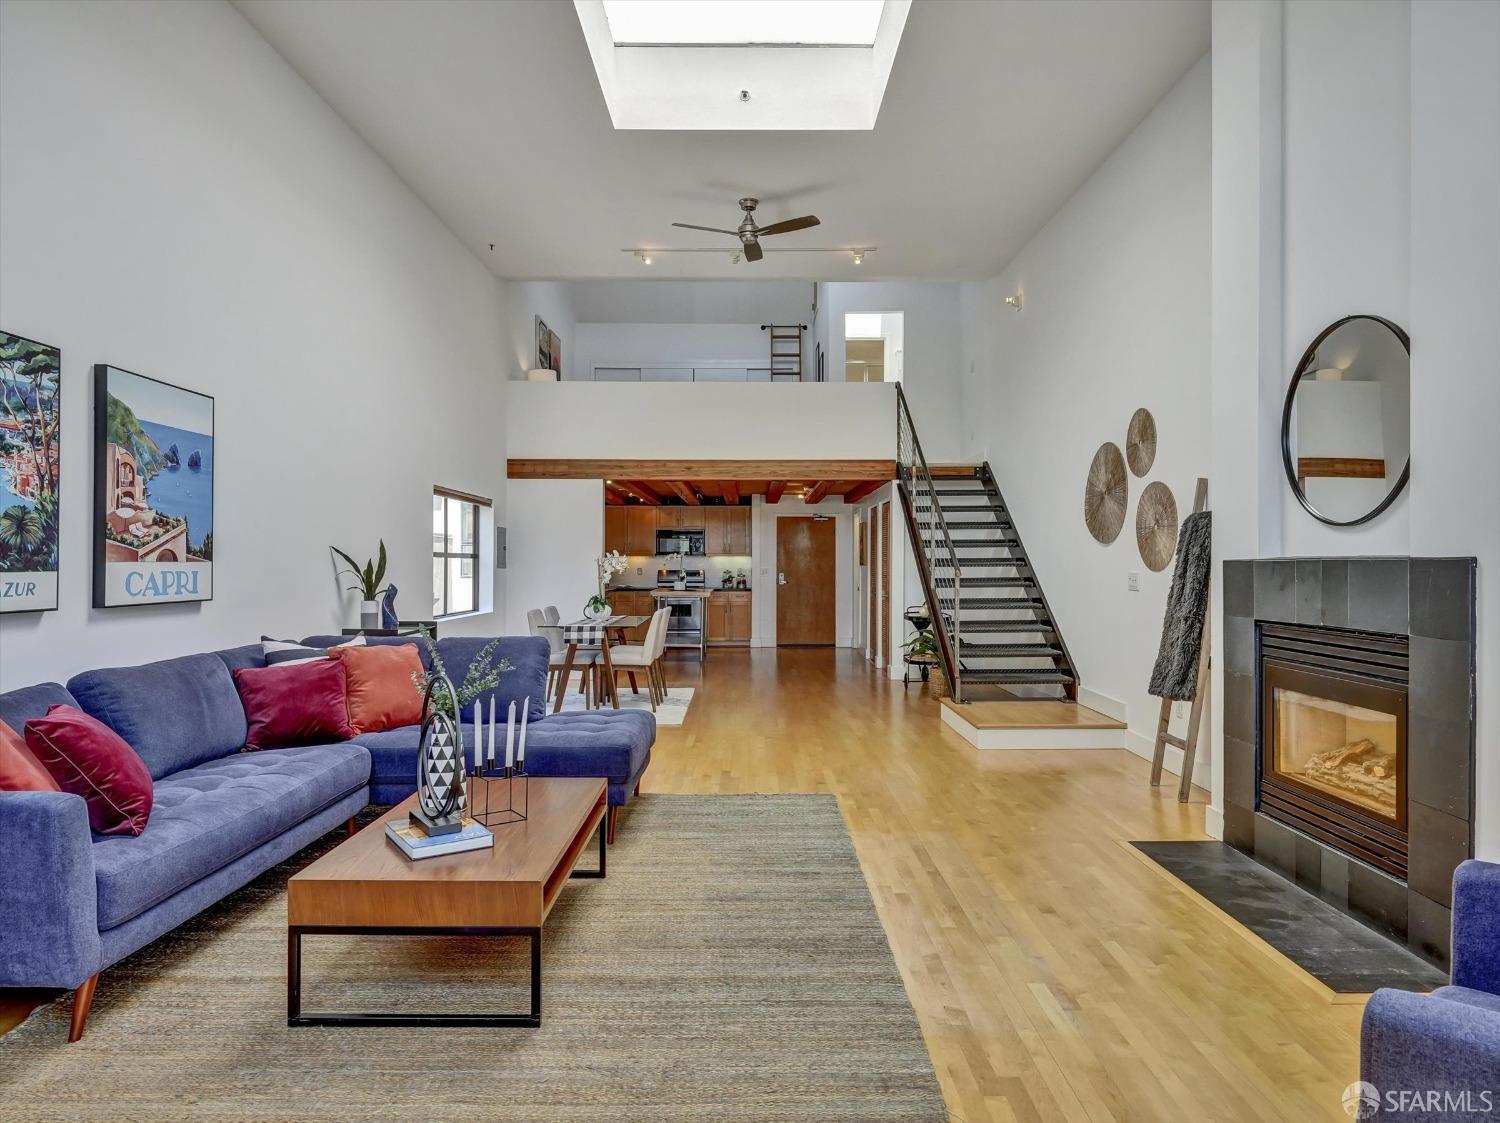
479	504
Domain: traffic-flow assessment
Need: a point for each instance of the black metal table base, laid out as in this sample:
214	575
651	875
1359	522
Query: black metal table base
294	934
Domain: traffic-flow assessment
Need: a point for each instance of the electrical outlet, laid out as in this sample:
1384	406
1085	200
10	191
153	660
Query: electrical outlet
639	570
1133	581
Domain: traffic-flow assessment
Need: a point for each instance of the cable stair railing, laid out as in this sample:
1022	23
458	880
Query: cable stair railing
937	560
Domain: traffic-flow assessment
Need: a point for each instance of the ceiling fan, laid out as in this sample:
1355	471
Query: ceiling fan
750	234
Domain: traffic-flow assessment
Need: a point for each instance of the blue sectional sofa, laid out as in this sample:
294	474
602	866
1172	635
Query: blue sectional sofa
1444	1047
74	902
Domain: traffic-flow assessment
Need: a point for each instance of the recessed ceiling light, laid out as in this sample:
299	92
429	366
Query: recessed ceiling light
645	258
851	23
859	258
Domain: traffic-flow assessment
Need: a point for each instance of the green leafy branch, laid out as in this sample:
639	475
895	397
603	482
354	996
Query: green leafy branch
482	676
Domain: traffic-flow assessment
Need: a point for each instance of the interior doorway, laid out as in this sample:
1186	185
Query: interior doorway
874	346
806	581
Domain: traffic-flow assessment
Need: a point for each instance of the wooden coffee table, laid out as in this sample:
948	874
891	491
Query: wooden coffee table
366	886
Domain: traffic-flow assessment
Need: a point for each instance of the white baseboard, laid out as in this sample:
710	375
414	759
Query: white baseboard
1110	707
1213	821
1029	737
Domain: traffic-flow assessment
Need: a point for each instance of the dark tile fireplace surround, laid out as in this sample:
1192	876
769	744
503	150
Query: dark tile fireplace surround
1392	635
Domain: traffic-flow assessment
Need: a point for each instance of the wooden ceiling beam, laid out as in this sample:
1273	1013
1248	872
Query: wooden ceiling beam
774	489
523	468
640	491
819	491
862	489
730	493
684	491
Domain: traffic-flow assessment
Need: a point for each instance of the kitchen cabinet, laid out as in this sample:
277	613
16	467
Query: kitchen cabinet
616	530
640	531
727	530
680	518
729	618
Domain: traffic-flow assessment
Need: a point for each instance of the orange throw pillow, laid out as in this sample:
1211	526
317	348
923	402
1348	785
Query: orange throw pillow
20	771
378	685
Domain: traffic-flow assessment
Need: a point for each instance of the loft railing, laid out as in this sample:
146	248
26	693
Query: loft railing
937	561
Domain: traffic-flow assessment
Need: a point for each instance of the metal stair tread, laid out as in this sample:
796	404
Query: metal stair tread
969	648
1019	676
990	626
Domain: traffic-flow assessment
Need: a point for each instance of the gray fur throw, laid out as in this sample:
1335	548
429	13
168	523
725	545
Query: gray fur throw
1176	673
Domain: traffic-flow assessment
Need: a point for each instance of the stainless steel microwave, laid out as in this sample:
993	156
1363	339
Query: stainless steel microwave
688	542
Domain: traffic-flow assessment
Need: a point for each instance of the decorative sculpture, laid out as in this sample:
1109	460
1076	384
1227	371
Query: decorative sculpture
388	618
1106	493
1140	442
1156	526
440	765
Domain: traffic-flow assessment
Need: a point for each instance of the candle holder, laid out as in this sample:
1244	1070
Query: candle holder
498	794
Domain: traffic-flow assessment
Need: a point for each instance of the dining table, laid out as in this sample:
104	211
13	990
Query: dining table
595	633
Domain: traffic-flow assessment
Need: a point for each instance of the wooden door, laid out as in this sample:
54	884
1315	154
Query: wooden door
737	530
616	530
640	531
805	590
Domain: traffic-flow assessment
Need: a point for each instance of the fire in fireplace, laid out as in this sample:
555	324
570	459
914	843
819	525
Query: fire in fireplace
1333	738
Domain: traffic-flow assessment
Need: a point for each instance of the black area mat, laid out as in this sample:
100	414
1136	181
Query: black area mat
1329	945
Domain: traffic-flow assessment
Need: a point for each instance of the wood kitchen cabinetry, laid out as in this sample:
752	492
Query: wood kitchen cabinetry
729	617
726	530
640	531
680	518
616	529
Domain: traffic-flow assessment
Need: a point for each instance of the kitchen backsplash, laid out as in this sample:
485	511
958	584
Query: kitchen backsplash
641	571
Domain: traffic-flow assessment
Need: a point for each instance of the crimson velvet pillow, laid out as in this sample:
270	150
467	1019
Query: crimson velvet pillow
88	758
294	704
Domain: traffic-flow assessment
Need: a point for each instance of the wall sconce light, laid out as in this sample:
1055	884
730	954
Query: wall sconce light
1014	302
859	257
645	257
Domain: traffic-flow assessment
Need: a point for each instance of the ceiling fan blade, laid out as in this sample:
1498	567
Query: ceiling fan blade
788	226
710	229
753	252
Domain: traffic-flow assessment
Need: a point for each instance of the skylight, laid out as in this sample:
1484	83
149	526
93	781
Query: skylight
847	23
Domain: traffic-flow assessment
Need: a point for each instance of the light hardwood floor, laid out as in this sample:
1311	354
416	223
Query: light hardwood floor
1056	973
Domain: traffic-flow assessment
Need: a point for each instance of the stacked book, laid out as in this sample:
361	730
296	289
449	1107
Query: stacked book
416	843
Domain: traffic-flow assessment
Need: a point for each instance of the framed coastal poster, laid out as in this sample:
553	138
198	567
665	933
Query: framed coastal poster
30	455
153	491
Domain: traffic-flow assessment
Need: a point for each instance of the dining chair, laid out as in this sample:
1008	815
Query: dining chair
643	656
553	617
557	656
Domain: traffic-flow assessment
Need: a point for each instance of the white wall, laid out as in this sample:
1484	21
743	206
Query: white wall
932	343
668	345
717	421
1115	317
692	302
176	201
556	531
553	302
1391	140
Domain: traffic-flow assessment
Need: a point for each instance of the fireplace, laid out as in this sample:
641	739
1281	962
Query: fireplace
1333	753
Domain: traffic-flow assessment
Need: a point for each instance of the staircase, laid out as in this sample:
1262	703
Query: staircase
990	616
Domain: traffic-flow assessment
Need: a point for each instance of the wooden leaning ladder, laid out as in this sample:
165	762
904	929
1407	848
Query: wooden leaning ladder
1188	744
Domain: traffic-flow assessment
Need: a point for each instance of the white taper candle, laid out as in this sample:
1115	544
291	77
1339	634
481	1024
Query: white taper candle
510	737
525	714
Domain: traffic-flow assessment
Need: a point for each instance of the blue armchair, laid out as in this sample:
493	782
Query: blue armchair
1447	1042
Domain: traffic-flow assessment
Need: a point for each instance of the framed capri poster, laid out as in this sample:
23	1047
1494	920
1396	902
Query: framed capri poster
153	491
30	453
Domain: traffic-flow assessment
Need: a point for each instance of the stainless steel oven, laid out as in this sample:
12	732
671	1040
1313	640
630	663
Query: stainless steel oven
686	627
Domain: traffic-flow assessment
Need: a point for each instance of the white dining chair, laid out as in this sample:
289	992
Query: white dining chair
553	617
644	656
557	656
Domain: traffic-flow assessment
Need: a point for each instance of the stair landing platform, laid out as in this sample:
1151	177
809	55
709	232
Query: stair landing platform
1032	724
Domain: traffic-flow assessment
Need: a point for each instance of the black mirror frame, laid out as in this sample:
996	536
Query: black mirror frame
1286	424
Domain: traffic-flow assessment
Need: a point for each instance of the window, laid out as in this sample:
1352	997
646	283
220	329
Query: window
455	551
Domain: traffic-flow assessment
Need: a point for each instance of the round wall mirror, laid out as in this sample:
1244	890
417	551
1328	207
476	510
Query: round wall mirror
1346	428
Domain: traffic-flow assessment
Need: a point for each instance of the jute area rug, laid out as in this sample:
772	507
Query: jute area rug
731	967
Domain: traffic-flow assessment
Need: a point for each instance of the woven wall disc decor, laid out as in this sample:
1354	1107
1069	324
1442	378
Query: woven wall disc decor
1106	493
1156	526
1140	442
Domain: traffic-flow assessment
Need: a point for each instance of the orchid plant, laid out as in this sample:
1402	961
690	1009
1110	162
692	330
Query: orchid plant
608	565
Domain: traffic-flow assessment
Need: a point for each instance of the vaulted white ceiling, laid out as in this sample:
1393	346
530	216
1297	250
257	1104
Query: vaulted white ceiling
995	112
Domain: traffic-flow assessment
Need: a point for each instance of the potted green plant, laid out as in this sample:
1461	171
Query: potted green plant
597	607
923	650
368	582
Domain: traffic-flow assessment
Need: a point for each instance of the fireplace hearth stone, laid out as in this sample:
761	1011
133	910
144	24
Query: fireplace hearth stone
1431	602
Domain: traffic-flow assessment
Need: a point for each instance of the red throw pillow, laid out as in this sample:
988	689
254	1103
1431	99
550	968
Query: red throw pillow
294	704
379	686
20	771
88	758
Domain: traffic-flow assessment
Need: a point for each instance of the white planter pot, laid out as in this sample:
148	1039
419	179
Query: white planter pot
369	614
604	613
